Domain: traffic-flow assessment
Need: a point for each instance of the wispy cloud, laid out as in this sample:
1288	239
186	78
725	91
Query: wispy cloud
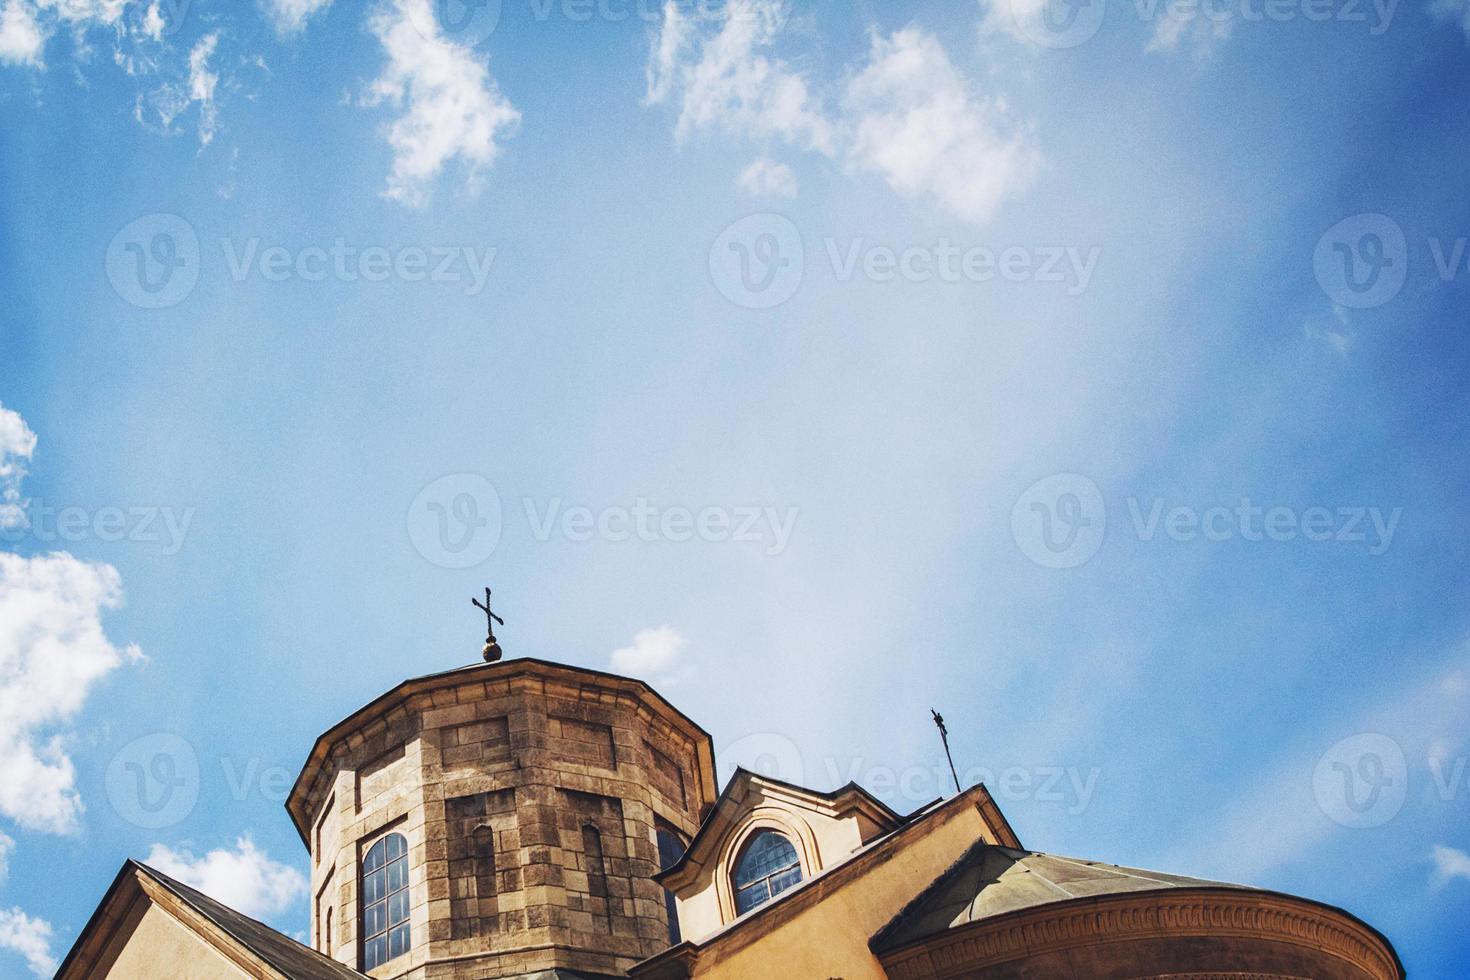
17	443
907	113
289	17
1449	864
767	178
452	109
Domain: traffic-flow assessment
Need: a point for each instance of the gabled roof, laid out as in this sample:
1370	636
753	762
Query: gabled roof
255	941
729	808
989	880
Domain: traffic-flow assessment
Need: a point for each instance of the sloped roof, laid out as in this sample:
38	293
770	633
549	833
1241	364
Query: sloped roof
280	952
292	959
990	880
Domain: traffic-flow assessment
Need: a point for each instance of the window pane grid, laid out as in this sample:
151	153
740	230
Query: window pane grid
768	867
385	902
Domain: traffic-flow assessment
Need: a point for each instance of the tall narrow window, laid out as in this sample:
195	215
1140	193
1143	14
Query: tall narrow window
329	933
767	867
385	901
670	850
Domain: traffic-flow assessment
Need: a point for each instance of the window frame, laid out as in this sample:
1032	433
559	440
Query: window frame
738	888
386	901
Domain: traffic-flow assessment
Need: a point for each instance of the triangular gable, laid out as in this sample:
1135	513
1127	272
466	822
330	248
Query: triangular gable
745	789
149	923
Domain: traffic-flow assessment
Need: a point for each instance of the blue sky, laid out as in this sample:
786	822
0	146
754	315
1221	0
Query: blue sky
1100	384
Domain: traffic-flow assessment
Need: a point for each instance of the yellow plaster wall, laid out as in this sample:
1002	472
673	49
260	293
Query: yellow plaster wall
830	937
160	947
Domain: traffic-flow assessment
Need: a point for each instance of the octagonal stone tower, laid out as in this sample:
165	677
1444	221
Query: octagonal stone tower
502	820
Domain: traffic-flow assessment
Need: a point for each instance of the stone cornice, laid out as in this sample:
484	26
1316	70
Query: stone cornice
1170	914
573	678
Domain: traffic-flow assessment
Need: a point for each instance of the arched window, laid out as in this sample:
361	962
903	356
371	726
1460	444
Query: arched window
767	867
670	850
329	932
385	901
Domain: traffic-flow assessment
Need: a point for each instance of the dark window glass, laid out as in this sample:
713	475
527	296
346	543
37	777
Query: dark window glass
670	850
385	901
767	867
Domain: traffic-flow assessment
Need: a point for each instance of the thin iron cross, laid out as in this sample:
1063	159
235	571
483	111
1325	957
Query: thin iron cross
490	618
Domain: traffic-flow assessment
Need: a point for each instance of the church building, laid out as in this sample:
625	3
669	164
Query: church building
526	819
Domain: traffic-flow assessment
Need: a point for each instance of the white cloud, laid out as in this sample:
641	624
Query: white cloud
6	846
767	178
202	86
452	107
1204	35
290	16
918	125
17	444
245	879
52	652
30	938
654	655
907	114
732	86
22	38
1449	864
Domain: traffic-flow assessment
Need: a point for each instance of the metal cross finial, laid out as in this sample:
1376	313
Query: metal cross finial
490	618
